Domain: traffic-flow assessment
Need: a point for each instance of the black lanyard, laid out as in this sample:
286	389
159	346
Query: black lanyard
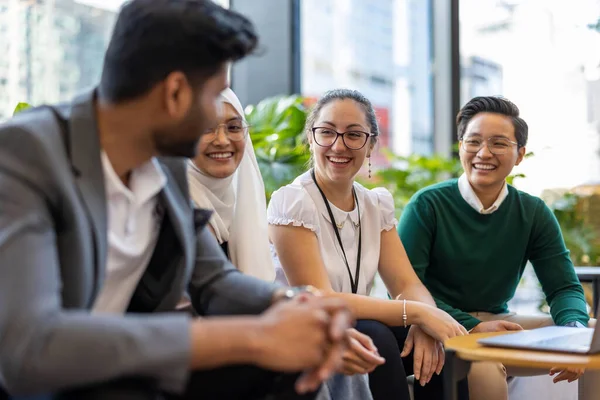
353	282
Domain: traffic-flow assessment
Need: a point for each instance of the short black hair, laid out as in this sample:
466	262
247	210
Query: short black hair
344	94
153	38
492	104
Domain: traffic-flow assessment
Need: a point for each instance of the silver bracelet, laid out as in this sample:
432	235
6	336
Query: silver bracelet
404	316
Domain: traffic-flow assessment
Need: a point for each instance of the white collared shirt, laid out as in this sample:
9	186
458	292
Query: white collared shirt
467	193
133	227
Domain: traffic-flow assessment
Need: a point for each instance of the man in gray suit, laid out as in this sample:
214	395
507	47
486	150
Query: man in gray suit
98	240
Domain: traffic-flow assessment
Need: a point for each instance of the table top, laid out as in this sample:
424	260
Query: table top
588	272
467	348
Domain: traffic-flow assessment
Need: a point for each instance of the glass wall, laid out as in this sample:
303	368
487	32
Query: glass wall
381	48
52	49
545	57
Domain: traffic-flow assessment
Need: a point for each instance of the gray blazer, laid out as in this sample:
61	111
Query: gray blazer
53	248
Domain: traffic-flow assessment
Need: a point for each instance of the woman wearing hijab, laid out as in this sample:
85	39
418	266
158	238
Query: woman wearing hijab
224	177
224	170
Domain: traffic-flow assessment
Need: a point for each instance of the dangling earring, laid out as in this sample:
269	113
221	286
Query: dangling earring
369	167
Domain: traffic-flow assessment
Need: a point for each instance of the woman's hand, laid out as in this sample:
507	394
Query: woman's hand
437	323
428	356
361	356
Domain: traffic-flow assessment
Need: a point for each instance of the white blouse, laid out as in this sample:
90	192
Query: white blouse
301	204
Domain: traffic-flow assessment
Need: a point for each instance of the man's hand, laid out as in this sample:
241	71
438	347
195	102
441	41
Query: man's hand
496	326
361	356
428	354
307	333
568	374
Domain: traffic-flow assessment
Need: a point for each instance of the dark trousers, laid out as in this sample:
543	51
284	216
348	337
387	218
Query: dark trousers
231	383
388	381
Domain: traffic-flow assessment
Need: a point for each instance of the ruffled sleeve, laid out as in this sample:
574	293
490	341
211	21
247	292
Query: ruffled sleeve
292	205
387	209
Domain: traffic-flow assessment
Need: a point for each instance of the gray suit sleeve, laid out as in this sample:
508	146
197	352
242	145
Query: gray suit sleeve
44	347
217	287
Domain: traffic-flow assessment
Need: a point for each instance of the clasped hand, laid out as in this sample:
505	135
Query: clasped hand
308	333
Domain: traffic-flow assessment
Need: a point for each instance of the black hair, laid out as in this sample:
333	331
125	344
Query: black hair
153	38
492	104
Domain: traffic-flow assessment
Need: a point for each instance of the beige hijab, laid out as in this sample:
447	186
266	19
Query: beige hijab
240	208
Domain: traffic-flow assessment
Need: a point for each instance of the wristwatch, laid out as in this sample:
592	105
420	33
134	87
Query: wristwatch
291	292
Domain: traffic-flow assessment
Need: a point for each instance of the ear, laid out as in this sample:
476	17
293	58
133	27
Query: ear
521	155
370	149
178	95
309	139
461	152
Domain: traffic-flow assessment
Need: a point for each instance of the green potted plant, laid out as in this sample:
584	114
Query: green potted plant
276	128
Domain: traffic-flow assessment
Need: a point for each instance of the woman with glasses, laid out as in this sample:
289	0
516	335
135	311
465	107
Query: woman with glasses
223	171
330	232
469	240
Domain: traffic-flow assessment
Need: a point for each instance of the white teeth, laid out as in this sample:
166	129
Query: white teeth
341	160
221	155
484	166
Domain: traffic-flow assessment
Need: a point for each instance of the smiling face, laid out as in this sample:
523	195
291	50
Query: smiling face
338	163
220	157
484	170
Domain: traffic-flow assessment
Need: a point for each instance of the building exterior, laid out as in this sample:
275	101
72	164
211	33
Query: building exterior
543	56
381	48
55	49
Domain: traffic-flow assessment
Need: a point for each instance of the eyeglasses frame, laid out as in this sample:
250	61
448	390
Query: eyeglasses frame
487	143
314	129
215	132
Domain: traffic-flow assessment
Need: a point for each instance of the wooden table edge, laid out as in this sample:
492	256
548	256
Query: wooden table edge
467	348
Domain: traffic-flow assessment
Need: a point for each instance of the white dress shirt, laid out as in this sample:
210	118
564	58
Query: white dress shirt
467	193
301	204
133	227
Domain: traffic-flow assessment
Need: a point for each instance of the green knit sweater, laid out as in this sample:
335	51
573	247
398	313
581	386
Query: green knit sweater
473	262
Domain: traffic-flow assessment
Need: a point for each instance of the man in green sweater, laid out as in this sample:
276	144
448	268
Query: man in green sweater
470	238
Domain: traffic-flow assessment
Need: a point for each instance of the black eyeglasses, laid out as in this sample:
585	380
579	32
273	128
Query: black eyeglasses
354	140
235	130
496	145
